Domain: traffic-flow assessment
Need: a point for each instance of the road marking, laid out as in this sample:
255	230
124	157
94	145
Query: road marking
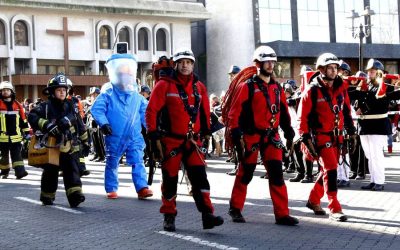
196	240
69	210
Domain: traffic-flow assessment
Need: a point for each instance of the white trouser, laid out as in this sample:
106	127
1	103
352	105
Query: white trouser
343	169
373	148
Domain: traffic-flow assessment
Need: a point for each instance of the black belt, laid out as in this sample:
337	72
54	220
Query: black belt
183	137
335	132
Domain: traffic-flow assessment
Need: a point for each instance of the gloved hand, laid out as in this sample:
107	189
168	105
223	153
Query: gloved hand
51	128
156	146
27	136
289	146
85	149
157	150
306	138
106	129
353	143
66	122
237	137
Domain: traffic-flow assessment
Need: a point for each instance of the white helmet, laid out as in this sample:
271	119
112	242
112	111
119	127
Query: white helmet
183	53
326	59
69	83
264	53
7	85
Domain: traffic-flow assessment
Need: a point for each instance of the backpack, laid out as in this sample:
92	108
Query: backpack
243	76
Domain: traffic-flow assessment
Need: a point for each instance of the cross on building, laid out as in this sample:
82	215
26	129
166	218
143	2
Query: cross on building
65	33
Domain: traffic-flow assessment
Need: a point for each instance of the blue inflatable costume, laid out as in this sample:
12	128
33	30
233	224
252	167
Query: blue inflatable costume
119	110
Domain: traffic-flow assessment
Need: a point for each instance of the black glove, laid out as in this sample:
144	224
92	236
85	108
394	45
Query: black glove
237	138
85	149
27	135
306	138
206	141
106	129
52	129
155	145
289	146
66	122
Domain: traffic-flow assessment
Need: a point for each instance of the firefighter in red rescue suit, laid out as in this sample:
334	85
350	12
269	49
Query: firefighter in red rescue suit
181	134
324	113
257	111
13	129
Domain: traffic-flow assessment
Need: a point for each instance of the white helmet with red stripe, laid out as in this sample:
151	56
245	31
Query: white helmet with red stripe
7	85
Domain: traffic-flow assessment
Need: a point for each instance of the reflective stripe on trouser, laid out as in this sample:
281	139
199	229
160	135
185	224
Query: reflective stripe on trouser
71	177
13	149
134	158
327	180
373	149
81	163
195	168
272	158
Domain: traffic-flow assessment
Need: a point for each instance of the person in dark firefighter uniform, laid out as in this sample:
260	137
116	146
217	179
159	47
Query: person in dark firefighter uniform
57	117
181	101
324	112
258	110
13	129
96	134
78	106
373	107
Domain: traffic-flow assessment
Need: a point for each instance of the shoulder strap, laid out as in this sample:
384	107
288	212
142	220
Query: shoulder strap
334	108
191	110
250	86
274	108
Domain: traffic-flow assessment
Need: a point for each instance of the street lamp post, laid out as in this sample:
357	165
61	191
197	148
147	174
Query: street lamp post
359	33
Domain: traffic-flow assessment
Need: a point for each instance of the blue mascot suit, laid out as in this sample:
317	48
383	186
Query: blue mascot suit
123	108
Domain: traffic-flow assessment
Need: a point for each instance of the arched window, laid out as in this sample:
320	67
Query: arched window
105	37
161	40
20	34
143	39
2	34
123	36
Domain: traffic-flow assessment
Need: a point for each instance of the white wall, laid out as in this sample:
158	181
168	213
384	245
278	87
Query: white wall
50	46
230	40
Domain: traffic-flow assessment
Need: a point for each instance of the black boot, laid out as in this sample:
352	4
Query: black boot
236	215
308	179
378	187
84	173
47	201
4	173
75	199
287	221
20	172
169	222
232	172
368	187
297	178
210	220
95	157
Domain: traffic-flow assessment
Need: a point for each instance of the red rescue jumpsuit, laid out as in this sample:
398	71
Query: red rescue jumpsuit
166	103
319	122
255	120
